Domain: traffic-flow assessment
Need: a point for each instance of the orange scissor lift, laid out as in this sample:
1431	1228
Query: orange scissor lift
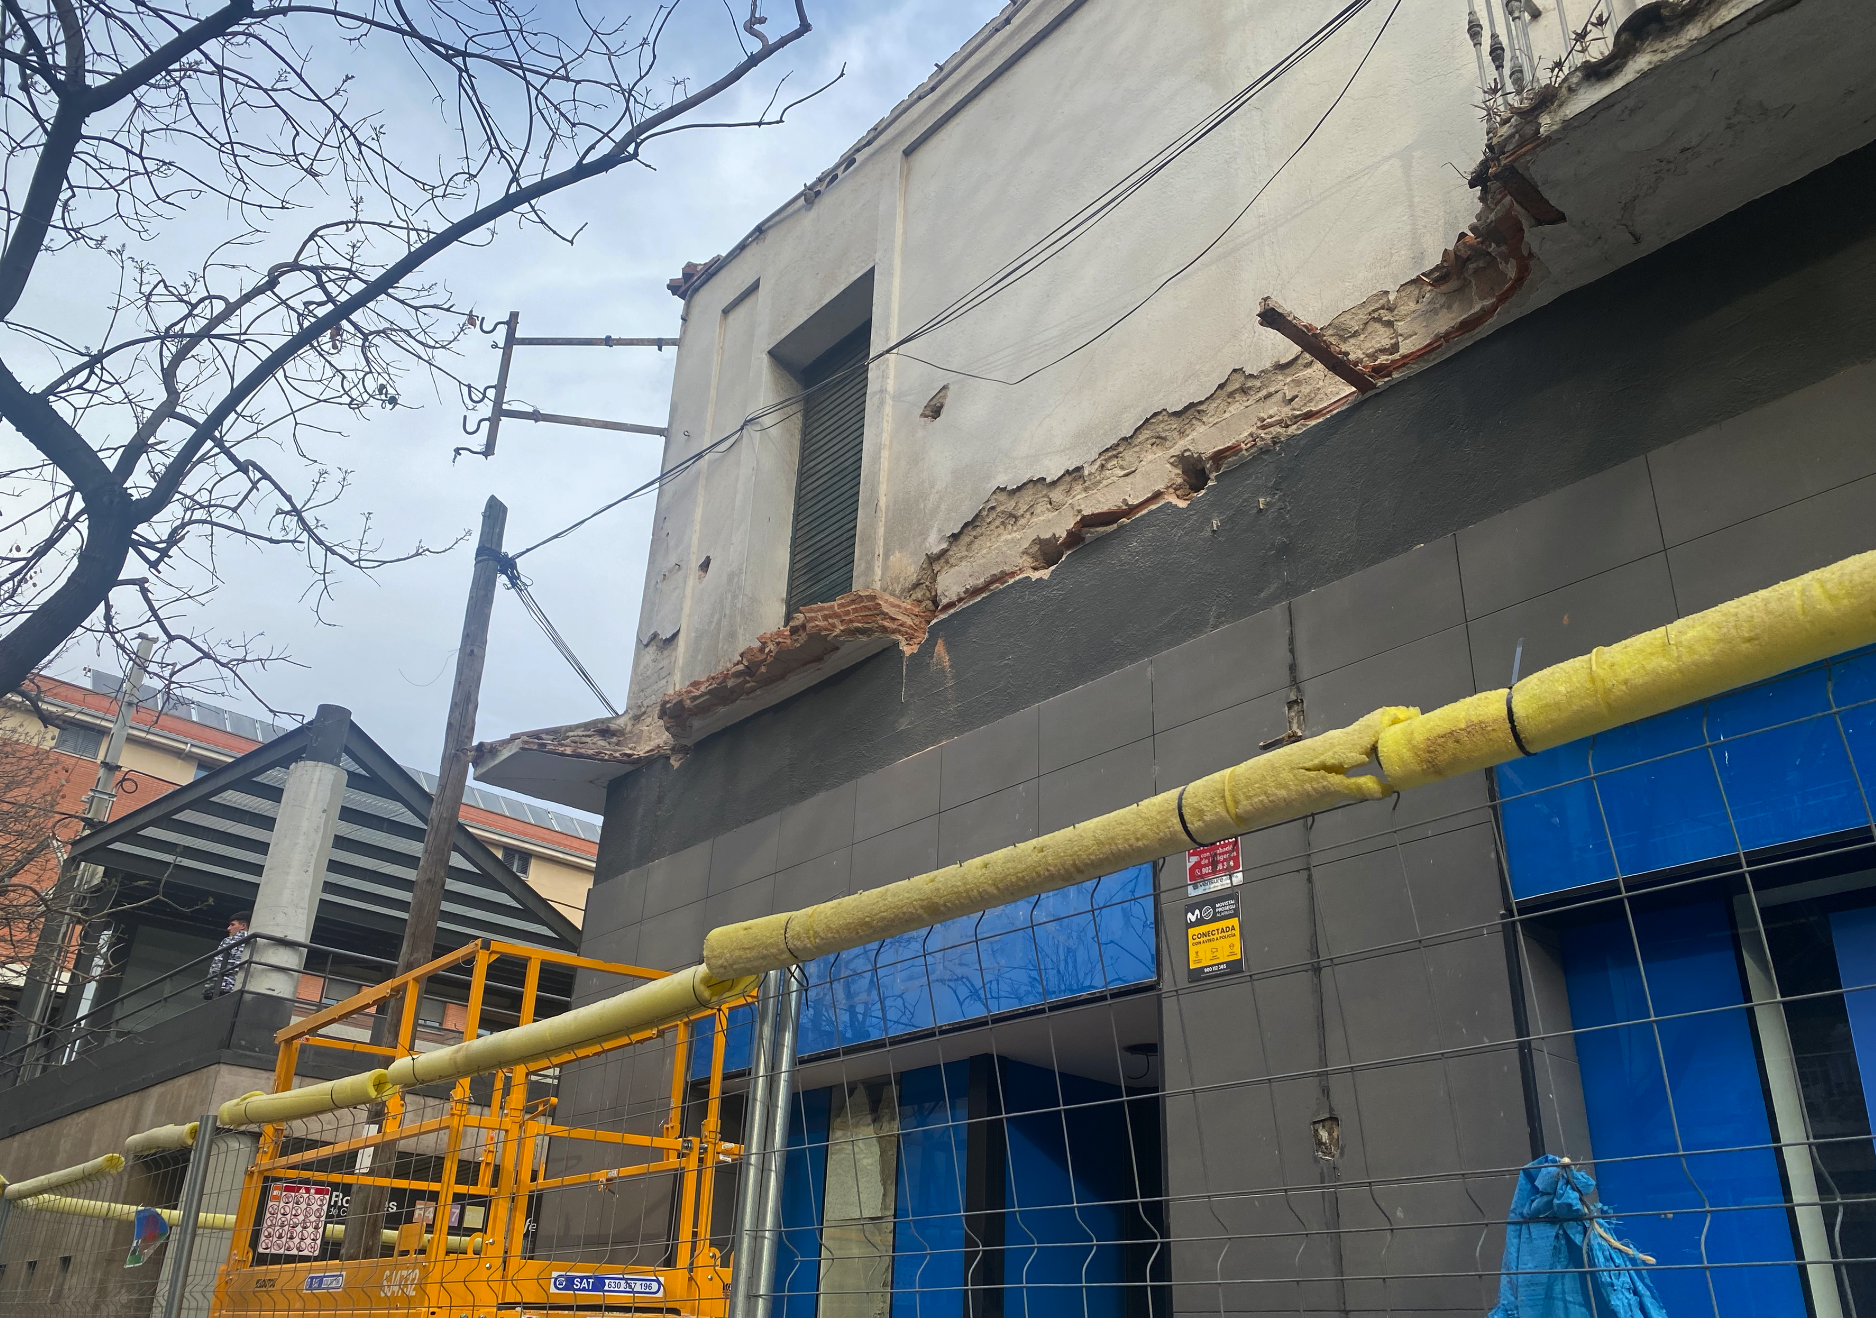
485	1266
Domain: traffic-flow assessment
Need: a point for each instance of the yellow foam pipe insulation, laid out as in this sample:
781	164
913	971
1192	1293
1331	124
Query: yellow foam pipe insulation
311	1101
1745	640
650	1006
59	1180
109	1212
162	1139
58	1203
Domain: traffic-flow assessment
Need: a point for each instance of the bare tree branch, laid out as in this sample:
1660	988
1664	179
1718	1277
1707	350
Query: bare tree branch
194	411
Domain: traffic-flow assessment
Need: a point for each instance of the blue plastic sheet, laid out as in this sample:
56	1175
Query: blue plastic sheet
1557	1264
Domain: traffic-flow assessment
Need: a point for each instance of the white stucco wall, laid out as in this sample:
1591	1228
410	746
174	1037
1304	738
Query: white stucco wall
1371	199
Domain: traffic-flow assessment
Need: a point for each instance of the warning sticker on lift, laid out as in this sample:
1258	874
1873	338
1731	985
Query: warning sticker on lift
295	1221
1214	940
1210	868
599	1283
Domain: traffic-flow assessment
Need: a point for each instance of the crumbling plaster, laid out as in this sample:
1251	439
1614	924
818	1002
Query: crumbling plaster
1613	150
981	163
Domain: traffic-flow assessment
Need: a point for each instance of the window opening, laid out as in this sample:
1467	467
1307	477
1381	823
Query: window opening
827	473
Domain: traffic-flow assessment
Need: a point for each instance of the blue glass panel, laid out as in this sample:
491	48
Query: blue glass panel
904	984
856	997
818	1031
1068	1174
1854	935
1068	949
1123	917
737	1042
1649	739
957	972
1790	782
1664	812
928	1233
1658	1095
1795	696
1853	688
804	1179
1554	831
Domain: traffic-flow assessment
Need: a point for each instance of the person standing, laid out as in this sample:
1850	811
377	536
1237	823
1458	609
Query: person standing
231	954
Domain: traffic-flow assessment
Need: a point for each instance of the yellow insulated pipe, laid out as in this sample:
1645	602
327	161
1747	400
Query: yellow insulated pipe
162	1139
1745	640
650	1006
109	1212
68	1176
311	1101
98	1208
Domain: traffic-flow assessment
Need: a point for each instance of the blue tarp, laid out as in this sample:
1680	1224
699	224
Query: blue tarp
1557	1265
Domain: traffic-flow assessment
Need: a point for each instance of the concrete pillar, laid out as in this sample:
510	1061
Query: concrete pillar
295	868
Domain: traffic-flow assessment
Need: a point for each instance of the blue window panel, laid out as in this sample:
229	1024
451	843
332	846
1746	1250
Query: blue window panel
1068	947
1778	768
904	984
1853	933
817	1031
804	1181
1782	760
1663	809
1699	1075
1853	690
1068	1175
1554	832
928	1231
737	1042
957	972
857	1017
1123	918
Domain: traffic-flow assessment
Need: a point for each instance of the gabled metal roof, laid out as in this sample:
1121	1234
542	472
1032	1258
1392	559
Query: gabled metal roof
212	835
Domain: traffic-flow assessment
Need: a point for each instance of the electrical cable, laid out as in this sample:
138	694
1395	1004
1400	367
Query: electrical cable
511	573
1043	250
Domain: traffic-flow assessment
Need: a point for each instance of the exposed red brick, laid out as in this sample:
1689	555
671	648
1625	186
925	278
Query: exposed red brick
812	636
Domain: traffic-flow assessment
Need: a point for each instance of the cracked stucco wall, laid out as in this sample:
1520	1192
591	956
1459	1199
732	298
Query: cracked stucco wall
1373	198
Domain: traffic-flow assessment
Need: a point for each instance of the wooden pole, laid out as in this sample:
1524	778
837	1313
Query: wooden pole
452	775
365	1214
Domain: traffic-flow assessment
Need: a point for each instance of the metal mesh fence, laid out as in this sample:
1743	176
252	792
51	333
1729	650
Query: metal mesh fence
1590	1027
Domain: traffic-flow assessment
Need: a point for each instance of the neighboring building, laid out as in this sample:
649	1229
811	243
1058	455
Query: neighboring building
1097	530
180	740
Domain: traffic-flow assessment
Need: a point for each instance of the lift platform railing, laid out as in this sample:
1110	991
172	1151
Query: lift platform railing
468	1164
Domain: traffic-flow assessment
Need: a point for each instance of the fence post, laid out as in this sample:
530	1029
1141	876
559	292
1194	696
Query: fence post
775	1146
745	1245
182	1240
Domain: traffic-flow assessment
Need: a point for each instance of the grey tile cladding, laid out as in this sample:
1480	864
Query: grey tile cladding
995	756
817	825
1574	533
896	794
1574	620
1379	608
1774	546
1803	444
1098	716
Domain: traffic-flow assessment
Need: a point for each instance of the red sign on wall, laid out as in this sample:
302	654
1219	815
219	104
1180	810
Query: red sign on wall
1220	858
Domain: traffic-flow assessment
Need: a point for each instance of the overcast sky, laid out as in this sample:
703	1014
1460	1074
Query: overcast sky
388	647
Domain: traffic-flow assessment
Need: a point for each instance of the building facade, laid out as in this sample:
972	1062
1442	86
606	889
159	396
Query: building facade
1135	361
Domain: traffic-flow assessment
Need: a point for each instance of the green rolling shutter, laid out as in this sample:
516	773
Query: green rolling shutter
827	477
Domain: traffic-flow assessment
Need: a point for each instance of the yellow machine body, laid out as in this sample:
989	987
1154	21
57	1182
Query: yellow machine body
487	1267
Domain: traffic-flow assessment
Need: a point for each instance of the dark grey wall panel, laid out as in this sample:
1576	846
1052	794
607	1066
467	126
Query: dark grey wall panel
1775	297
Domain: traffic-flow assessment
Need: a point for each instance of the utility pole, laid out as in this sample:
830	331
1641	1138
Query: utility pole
76	883
365	1216
459	734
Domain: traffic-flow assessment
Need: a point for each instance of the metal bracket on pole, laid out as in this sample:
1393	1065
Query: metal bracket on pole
498	392
188	1217
745	1247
